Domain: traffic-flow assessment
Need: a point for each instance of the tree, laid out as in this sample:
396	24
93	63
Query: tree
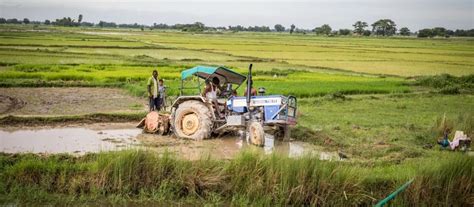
359	27
79	19
237	28
196	27
439	31
404	31
3	21
66	22
464	33
200	26
47	22
26	21
107	24
324	29
384	27
259	29
367	33
425	33
87	24
292	29
449	32
279	28
13	21
344	32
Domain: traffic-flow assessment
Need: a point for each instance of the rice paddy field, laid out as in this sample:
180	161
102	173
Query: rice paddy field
383	102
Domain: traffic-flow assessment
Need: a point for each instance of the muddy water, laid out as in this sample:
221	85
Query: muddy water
81	140
66	140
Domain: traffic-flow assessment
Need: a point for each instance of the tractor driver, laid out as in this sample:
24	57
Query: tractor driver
211	93
212	89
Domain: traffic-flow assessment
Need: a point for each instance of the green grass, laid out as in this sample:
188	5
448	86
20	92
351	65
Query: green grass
123	58
397	126
249	179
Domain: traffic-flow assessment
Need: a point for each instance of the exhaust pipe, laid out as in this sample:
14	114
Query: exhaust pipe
249	90
249	85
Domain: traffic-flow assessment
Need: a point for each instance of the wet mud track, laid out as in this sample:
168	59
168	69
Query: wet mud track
81	139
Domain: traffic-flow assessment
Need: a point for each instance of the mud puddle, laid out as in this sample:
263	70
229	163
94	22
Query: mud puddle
106	137
228	147
77	140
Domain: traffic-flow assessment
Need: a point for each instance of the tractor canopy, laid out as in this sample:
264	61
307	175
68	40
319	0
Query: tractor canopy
225	75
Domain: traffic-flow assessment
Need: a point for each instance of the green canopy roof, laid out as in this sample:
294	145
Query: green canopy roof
225	75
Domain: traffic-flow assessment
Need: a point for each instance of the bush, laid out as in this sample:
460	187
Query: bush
448	84
425	33
452	89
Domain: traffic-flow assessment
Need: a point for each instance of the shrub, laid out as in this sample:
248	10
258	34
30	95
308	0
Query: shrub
448	84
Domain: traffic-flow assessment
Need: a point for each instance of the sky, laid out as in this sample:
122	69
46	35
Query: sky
307	14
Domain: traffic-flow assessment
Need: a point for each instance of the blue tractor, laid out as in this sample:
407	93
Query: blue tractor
194	116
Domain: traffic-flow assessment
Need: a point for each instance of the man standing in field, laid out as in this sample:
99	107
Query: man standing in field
153	92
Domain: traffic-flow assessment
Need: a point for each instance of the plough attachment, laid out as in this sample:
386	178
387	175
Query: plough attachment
155	123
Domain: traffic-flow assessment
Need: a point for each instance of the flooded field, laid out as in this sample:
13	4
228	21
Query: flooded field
106	137
67	101
77	140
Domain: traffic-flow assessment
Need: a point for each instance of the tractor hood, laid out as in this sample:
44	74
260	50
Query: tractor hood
225	75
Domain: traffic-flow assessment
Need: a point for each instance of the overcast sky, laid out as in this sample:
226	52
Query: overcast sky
414	14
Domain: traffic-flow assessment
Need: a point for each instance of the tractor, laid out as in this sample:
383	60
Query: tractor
193	116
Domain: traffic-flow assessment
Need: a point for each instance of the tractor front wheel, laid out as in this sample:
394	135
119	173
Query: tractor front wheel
192	120
256	134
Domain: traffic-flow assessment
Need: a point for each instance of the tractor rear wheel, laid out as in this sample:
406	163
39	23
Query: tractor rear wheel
192	120
256	134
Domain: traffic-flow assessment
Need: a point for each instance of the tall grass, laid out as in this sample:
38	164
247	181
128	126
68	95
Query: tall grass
463	122
250	178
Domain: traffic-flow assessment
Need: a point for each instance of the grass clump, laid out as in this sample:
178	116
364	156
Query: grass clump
250	178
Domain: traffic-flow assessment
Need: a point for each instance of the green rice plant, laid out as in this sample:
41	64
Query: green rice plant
387	56
250	178
299	83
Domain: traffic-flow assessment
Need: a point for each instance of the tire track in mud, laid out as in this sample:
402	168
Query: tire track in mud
9	104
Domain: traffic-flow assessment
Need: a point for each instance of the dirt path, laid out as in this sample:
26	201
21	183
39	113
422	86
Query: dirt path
67	101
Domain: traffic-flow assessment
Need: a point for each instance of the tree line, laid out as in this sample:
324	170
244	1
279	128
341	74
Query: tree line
382	27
